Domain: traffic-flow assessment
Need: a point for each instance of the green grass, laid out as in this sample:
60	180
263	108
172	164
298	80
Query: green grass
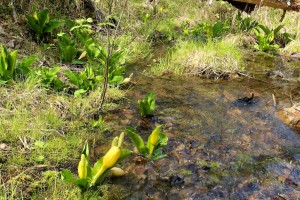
197	59
292	47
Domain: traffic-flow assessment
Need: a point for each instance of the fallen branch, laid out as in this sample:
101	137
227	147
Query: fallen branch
289	5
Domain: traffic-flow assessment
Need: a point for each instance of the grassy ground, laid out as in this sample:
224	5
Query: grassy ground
42	131
213	59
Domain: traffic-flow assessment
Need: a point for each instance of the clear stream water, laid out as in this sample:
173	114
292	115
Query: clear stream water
218	147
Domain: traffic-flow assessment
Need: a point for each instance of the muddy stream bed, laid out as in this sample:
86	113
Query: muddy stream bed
219	148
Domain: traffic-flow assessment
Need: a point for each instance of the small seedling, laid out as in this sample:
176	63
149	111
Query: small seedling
147	105
100	124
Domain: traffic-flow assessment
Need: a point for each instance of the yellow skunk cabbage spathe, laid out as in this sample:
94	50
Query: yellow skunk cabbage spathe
111	157
84	163
154	138
35	16
82	167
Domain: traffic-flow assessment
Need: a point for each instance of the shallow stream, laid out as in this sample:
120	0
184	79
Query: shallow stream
219	147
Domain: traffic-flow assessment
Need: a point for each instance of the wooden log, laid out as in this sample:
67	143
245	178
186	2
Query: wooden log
291	5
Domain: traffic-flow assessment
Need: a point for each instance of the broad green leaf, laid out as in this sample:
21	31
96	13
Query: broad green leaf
69	53
114	59
53	24
40	159
82	183
73	77
93	50
28	61
217	28
12	61
2	82
89	20
66	175
117	80
163	139
43	18
86	150
124	154
78	62
96	167
265	29
58	84
276	30
151	101
79	92
147	105
158	154
40	144
33	25
137	140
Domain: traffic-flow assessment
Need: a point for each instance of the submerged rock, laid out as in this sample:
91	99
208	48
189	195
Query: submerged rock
176	180
291	116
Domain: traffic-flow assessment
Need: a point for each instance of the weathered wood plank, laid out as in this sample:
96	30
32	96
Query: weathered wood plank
293	5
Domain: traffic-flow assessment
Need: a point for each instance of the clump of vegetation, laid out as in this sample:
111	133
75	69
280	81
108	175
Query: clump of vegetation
247	23
206	31
266	38
89	176
10	69
147	105
85	81
49	77
67	47
212	60
156	140
40	23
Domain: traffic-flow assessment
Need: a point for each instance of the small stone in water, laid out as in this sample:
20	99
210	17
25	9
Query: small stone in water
297	157
176	180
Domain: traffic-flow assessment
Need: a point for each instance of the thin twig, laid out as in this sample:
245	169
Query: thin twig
24	142
109	51
274	100
291	99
